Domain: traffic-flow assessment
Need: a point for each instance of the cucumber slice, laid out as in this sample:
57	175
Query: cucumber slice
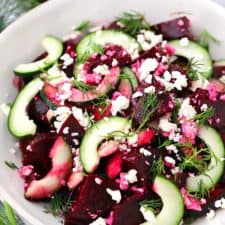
54	48
19	123
87	46
216	167
95	135
173	206
195	52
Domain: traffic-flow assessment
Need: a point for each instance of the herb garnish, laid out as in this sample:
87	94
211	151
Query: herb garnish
150	104
59	203
11	165
154	205
193	69
205	38
157	167
82	86
83	26
7	216
203	116
133	22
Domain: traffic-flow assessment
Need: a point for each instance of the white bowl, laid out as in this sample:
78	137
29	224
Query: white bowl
20	42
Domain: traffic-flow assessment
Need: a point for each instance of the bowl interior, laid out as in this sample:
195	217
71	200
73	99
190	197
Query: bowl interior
21	43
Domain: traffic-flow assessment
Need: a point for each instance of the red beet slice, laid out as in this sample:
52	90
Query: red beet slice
174	29
114	165
92	201
128	211
219	68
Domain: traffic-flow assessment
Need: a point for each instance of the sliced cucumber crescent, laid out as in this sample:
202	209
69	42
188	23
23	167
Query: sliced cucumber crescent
87	46
54	48
19	123
130	75
200	56
209	178
173	206
95	135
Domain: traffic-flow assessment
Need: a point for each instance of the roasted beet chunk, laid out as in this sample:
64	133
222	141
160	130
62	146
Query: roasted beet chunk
174	29
128	212
72	131
92	201
37	111
35	152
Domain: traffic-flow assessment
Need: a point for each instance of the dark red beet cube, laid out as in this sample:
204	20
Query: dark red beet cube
174	29
92	201
128	212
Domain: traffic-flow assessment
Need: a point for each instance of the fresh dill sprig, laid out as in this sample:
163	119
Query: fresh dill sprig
150	104
117	134
205	38
166	143
204	116
83	26
174	114
59	203
82	86
157	167
11	165
133	22
154	205
202	193
91	48
193	68
192	160
7	215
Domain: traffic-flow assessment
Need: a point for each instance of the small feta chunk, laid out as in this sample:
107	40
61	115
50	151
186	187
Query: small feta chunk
114	63
186	110
170	160
82	117
101	69
119	104
204	107
148	214
98	221
148	66
132	140
150	90
137	94
184	42
131	176
115	194
167	126
180	80
145	152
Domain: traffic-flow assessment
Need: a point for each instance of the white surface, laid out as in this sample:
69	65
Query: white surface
21	41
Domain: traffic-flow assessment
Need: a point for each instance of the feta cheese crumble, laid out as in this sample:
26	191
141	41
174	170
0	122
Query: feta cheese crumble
98	221
115	194
119	104
101	69
149	65
167	126
137	94
145	152
186	110
211	214
131	176
184	42
82	117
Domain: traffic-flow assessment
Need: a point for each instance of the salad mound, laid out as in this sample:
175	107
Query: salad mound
123	124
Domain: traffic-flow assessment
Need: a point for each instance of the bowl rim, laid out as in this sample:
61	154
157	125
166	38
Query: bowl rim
3	37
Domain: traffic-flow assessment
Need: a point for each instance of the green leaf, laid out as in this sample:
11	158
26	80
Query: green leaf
83	26
157	167
204	116
7	215
11	165
205	38
154	204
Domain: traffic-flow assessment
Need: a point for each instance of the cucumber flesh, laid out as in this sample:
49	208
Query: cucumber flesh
131	77
195	52
95	135
209	178
19	123
173	206
87	46
54	48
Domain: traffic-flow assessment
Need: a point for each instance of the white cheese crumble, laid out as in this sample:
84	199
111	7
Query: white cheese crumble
101	69
204	107
67	60
131	176
61	114
114	63
184	42
98	221
150	90
222	79
211	214
170	160
148	214
145	152
167	126
186	110
119	104
180	80
132	140
199	83
172	148
82	117
137	94
220	203
148	66
115	194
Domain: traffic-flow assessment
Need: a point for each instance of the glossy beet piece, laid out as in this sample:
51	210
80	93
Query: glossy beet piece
174	29
37	111
111	52
35	152
219	69
114	165
128	212
92	201
72	131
